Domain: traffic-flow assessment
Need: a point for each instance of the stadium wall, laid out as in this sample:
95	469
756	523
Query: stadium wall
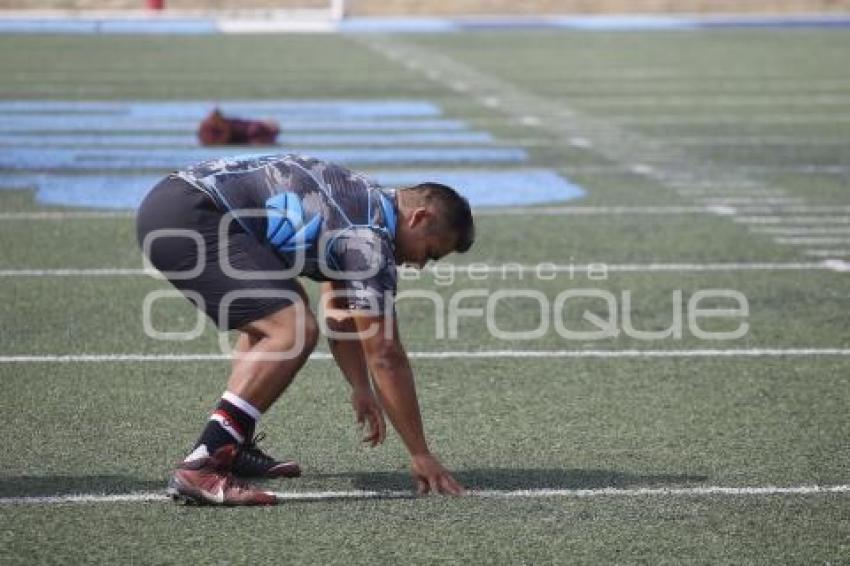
466	7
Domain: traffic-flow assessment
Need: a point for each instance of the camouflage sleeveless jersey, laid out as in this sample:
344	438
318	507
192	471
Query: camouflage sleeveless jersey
352	217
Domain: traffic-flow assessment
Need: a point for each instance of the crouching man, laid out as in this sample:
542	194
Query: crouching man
233	235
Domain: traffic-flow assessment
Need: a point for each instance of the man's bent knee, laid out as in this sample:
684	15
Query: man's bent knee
303	335
292	330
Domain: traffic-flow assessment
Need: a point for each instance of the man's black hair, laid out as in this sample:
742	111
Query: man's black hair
455	213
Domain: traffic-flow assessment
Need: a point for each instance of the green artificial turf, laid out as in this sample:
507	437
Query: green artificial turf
500	423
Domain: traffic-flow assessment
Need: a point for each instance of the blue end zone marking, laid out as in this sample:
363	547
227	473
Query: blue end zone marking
778	22
90	26
109	123
626	22
650	22
190	140
493	188
100	191
133	136
13	26
401	25
482	188
157	27
15	159
197	109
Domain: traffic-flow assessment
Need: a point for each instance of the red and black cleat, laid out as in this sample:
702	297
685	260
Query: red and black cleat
209	481
252	462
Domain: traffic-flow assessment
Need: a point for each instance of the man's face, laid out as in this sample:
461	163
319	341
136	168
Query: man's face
420	239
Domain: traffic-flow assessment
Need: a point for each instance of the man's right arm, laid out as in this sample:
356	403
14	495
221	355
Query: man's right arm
392	377
393	383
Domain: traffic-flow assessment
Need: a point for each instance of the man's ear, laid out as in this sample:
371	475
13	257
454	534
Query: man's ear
417	216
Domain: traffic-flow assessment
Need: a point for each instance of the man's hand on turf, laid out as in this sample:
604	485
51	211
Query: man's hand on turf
370	415
431	476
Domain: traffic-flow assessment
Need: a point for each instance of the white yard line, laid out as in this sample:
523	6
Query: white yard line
774	209
800	230
488	211
508	269
67	215
756	141
713	205
737	120
592	210
828	253
742	168
745	202
111	358
715	100
537	493
746	205
692	183
543	115
749	200
72	272
815	220
811	241
795	209
704	80
457	354
544	268
732	192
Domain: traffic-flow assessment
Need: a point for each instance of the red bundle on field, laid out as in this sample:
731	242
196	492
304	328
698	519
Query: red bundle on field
218	129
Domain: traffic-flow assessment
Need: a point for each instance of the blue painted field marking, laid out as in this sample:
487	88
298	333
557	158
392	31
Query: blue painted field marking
627	23
109	26
31	159
306	116
200	108
114	137
32	26
11	123
158	27
481	187
219	24
493	188
398	25
286	139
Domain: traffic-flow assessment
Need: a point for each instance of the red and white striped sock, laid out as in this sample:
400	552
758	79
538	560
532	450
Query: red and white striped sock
233	422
